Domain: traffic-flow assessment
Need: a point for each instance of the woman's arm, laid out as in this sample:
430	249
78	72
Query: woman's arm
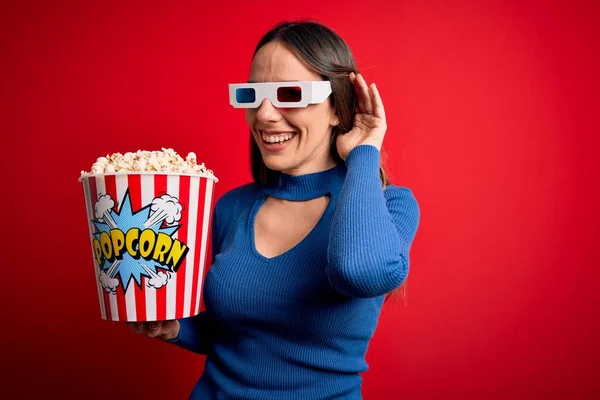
195	333
372	230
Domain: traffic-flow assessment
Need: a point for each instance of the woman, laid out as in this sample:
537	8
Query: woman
303	257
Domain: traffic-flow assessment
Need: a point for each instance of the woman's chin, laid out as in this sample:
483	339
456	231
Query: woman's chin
276	165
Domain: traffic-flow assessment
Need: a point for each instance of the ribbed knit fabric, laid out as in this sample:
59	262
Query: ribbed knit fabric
297	326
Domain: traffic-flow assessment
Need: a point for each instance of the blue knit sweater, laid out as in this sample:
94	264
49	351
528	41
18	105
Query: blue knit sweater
297	326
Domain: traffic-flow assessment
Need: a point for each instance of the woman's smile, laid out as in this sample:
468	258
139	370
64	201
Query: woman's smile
276	140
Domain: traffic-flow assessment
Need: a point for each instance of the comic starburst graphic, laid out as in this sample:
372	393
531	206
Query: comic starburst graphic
125	219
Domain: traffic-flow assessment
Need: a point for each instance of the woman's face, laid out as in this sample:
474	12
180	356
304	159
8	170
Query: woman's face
306	131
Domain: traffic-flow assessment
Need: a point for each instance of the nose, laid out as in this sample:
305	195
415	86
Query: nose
267	112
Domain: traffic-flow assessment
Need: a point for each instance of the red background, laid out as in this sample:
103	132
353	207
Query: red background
493	122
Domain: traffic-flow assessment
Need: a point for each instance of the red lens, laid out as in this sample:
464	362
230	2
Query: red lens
289	94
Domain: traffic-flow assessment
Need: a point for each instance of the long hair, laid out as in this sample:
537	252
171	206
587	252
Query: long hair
326	53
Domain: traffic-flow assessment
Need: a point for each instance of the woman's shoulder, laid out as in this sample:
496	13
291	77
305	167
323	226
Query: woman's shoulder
402	197
237	198
245	191
392	191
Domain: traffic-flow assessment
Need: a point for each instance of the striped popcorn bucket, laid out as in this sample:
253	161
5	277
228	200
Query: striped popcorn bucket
149	233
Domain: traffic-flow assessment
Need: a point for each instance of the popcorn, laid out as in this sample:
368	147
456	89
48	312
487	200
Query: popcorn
166	160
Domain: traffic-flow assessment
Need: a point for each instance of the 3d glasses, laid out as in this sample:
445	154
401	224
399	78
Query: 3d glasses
293	94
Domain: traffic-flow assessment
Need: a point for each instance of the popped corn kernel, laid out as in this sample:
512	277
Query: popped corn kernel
165	160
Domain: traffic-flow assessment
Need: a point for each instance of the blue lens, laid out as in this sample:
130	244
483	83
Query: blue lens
245	95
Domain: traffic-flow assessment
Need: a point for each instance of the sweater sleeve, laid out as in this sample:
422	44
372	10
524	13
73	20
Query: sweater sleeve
195	333
373	230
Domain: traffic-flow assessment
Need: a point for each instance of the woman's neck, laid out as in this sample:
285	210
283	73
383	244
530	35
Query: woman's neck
311	167
307	186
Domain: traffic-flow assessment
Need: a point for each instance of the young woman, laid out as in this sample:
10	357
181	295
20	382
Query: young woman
305	256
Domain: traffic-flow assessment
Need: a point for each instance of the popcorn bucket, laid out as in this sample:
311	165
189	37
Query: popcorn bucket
149	233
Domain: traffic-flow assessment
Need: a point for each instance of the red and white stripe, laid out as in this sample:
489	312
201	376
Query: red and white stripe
203	220
89	207
180	298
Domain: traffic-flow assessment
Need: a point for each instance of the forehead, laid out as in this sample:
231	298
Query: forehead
275	63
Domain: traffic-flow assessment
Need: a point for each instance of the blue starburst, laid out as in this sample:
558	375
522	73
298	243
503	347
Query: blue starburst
127	219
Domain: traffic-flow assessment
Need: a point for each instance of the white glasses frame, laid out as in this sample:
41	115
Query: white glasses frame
313	92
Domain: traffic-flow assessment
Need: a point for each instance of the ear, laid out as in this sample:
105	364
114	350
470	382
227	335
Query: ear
334	121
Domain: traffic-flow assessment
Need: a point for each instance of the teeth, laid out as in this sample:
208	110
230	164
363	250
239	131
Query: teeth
276	138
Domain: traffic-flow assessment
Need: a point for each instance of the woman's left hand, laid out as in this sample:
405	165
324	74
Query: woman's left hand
369	122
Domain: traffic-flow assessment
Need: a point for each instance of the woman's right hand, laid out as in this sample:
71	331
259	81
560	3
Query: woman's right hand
165	330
